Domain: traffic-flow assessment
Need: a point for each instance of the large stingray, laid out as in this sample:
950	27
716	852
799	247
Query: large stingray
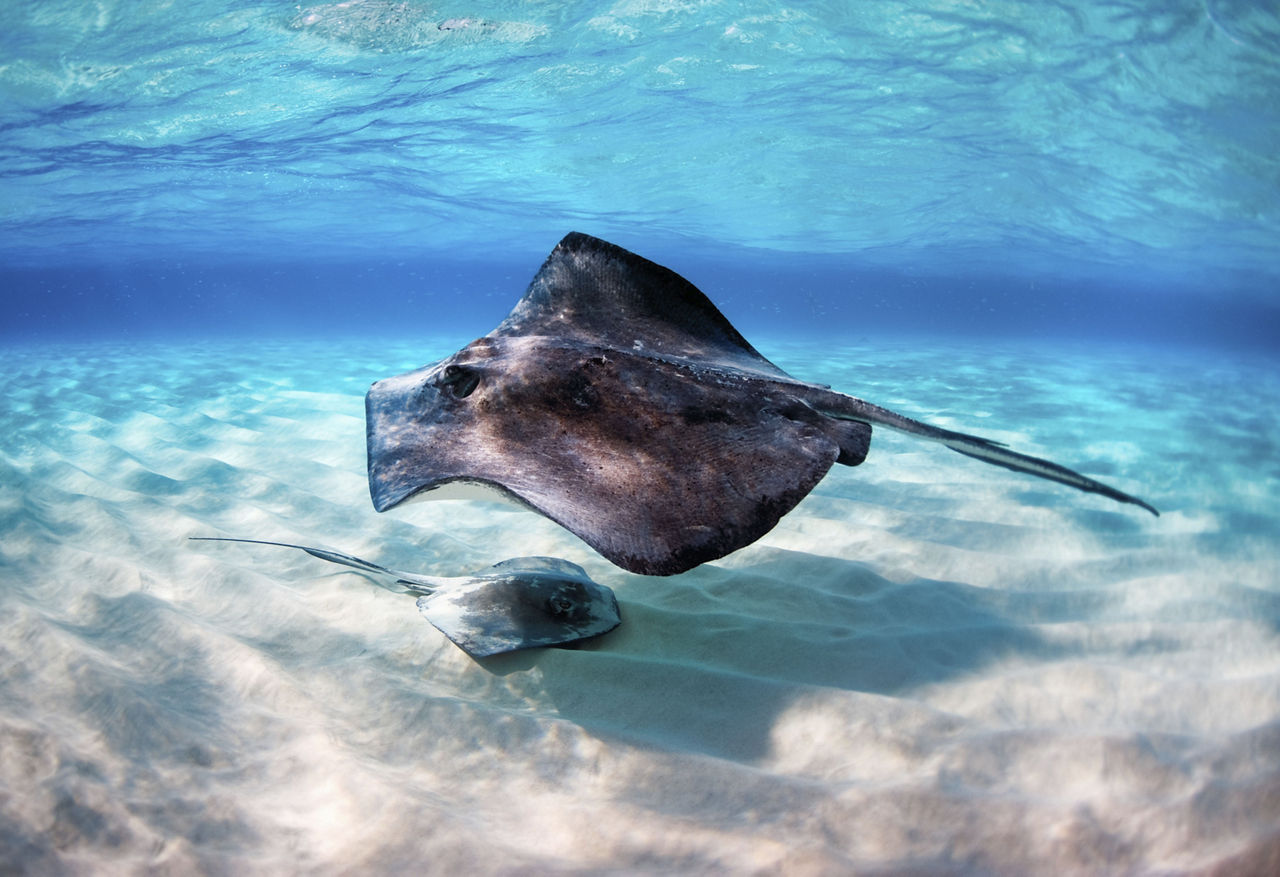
618	401
520	603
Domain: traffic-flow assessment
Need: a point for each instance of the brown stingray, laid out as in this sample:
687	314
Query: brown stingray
619	402
521	603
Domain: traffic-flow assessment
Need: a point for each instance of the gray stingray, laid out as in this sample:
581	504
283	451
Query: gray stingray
520	603
619	402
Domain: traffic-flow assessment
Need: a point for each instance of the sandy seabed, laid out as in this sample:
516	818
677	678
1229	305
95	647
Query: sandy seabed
931	666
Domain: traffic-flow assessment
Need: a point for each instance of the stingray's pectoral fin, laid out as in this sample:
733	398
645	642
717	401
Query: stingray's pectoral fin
848	408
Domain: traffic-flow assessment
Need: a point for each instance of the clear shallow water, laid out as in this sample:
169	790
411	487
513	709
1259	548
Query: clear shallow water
1088	164
930	664
1054	226
1108	130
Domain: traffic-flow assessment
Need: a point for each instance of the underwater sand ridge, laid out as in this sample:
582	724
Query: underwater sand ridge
890	677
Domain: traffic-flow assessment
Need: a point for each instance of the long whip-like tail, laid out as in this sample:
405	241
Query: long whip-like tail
844	407
411	583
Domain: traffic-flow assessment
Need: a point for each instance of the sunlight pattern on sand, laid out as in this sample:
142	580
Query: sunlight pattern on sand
929	664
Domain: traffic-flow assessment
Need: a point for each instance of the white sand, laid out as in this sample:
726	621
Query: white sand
931	666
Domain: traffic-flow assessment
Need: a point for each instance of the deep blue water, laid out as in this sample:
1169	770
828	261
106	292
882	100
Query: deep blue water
1091	169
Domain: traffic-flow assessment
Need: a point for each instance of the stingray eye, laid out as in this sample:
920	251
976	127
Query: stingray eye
460	382
559	605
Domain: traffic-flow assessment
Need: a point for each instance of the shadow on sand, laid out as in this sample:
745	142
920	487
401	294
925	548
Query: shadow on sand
704	662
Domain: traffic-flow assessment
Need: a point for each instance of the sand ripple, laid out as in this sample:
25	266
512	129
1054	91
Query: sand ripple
931	666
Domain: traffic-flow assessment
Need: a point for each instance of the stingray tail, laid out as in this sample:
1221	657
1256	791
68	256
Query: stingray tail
974	446
411	583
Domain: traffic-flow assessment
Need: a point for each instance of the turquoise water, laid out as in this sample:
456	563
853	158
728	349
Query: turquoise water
1052	225
1089	168
929	665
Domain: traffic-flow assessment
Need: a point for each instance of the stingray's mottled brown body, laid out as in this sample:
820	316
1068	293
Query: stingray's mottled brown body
618	401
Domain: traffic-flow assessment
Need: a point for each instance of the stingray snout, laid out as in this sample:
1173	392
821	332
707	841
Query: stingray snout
420	393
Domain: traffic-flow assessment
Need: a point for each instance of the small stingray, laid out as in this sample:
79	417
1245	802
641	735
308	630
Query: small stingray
616	400
520	603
